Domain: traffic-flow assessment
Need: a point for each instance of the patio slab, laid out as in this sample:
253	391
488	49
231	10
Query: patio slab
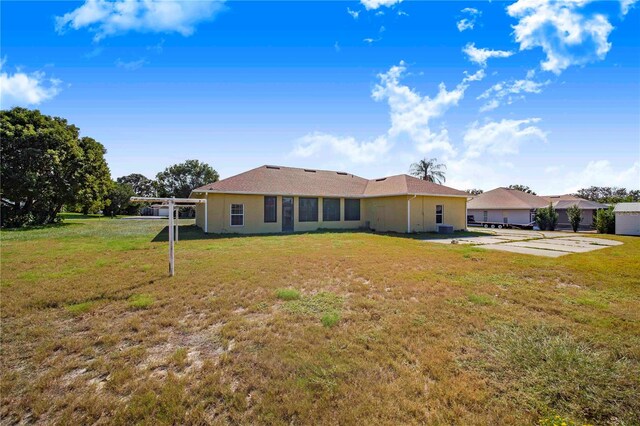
525	250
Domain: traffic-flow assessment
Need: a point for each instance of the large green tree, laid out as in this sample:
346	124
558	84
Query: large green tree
608	194
44	165
180	179
429	170
117	200
141	185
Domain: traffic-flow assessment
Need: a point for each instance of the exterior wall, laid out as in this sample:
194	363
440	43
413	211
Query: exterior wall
628	223
423	213
219	211
587	219
387	214
520	217
382	214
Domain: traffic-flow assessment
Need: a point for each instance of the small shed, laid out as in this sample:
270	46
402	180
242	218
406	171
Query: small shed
627	218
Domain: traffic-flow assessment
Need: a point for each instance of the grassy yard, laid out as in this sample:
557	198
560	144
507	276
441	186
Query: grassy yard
324	328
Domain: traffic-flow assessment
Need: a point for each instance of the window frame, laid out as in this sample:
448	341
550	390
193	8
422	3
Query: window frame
485	216
346	201
324	218
232	214
300	216
441	214
275	207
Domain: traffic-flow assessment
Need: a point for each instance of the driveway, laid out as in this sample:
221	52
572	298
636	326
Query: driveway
537	243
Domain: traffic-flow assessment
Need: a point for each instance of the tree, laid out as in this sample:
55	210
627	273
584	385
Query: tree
608	194
44	164
97	178
547	218
522	188
118	199
605	221
474	191
180	179
429	170
575	216
141	185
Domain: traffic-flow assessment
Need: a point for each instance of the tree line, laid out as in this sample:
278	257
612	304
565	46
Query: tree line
46	167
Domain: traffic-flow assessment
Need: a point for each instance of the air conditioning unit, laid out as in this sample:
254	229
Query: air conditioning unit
445	229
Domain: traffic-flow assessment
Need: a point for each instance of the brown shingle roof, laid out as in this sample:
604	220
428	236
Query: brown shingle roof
278	180
505	198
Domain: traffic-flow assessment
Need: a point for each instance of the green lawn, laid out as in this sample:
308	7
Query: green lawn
320	328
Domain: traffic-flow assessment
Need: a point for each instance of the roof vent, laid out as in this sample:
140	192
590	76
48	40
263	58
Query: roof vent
310	171
381	179
342	173
273	167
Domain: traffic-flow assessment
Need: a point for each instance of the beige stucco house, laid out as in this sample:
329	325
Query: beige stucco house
271	199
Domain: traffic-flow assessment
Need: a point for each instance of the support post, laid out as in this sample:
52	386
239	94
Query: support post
206	214
171	248
177	222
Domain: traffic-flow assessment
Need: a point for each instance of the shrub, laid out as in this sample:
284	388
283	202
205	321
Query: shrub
542	218
140	301
330	319
606	221
575	217
287	294
547	218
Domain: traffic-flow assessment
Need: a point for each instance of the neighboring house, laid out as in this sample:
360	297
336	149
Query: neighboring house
562	202
506	206
627	218
272	199
155	210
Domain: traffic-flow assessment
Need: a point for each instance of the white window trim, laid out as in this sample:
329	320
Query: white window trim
441	214
231	214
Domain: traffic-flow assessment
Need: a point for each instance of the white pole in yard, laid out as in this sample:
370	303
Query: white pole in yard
171	204
177	224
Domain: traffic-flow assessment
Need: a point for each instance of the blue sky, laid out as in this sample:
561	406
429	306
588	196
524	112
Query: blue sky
540	93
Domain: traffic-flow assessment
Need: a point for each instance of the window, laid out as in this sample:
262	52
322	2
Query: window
237	214
439	213
351	209
485	216
505	220
308	209
270	209
331	209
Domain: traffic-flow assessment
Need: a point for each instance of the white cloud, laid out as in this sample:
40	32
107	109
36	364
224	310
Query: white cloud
602	173
567	36
357	152
481	56
355	14
498	138
107	18
506	92
468	23
626	5
411	112
411	115
131	65
402	13
336	46
22	89
374	4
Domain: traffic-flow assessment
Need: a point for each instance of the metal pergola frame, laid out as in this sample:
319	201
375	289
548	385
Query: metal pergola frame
174	205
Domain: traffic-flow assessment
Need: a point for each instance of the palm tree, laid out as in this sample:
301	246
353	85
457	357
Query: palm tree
429	170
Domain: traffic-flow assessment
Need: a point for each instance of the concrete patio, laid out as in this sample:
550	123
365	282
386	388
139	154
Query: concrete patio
537	243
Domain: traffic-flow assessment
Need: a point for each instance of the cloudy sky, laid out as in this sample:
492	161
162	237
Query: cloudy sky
534	92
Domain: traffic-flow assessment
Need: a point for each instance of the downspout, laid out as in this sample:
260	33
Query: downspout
409	213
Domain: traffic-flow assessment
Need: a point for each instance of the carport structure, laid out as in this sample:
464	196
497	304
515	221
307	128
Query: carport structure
174	205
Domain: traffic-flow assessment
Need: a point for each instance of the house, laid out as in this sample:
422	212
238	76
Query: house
506	206
155	210
562	202
271	199
627	218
